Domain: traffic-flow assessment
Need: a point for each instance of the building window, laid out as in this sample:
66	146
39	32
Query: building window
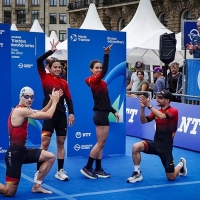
52	18
53	2
62	19
35	15
21	17
62	35
121	24
7	2
63	2
163	19
187	15
36	2
21	2
7	17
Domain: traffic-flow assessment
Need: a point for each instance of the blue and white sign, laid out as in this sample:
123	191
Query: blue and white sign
188	132
26	47
5	82
189	30
84	46
193	77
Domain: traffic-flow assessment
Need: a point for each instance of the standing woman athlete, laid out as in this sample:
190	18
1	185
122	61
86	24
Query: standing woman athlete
59	120
102	108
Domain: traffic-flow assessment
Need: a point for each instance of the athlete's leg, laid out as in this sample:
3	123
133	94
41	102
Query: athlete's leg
47	159
60	146
136	155
8	190
102	134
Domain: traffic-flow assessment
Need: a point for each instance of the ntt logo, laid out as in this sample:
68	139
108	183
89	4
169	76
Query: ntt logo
73	37
78	134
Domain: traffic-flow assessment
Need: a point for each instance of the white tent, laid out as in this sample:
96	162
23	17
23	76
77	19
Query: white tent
36	27
143	36
92	20
13	27
53	35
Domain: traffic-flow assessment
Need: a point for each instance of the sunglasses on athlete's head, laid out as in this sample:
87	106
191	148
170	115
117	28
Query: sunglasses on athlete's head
26	96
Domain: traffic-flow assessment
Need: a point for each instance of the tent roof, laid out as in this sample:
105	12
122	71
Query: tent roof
142	25
13	27
36	27
92	20
53	36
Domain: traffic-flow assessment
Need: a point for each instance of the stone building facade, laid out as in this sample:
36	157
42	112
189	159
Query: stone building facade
116	14
51	15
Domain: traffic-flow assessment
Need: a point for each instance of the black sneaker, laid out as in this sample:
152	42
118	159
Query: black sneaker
101	173
183	170
135	177
89	173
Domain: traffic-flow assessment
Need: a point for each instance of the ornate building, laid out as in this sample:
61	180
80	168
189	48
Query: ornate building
51	15
116	14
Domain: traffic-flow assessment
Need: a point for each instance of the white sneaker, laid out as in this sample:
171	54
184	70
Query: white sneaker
183	170
35	176
135	177
61	174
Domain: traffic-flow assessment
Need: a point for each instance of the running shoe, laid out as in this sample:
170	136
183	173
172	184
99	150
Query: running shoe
136	176
89	173
183	170
101	173
61	175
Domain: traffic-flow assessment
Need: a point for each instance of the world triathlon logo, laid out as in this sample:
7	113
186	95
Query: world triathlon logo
73	37
193	33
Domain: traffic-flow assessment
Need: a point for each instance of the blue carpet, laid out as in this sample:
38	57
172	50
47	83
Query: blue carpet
154	185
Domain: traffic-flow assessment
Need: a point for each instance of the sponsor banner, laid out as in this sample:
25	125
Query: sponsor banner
5	82
193	77
26	47
84	46
188	132
189	30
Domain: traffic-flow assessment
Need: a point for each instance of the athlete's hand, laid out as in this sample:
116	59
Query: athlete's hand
54	45
107	49
71	120
55	95
144	101
117	117
60	92
189	46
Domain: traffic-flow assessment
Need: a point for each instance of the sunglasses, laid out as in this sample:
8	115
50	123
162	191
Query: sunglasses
28	96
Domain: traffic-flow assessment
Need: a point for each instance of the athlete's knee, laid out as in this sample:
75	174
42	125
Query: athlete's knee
52	157
170	176
10	193
137	147
101	144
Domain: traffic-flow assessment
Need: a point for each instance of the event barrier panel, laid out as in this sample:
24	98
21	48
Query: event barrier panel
188	131
5	81
84	46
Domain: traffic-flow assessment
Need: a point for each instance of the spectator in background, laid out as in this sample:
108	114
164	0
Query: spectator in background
194	46
63	72
134	78
175	81
128	76
143	85
160	80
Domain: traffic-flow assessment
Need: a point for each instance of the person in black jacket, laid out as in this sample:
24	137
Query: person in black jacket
175	81
102	108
